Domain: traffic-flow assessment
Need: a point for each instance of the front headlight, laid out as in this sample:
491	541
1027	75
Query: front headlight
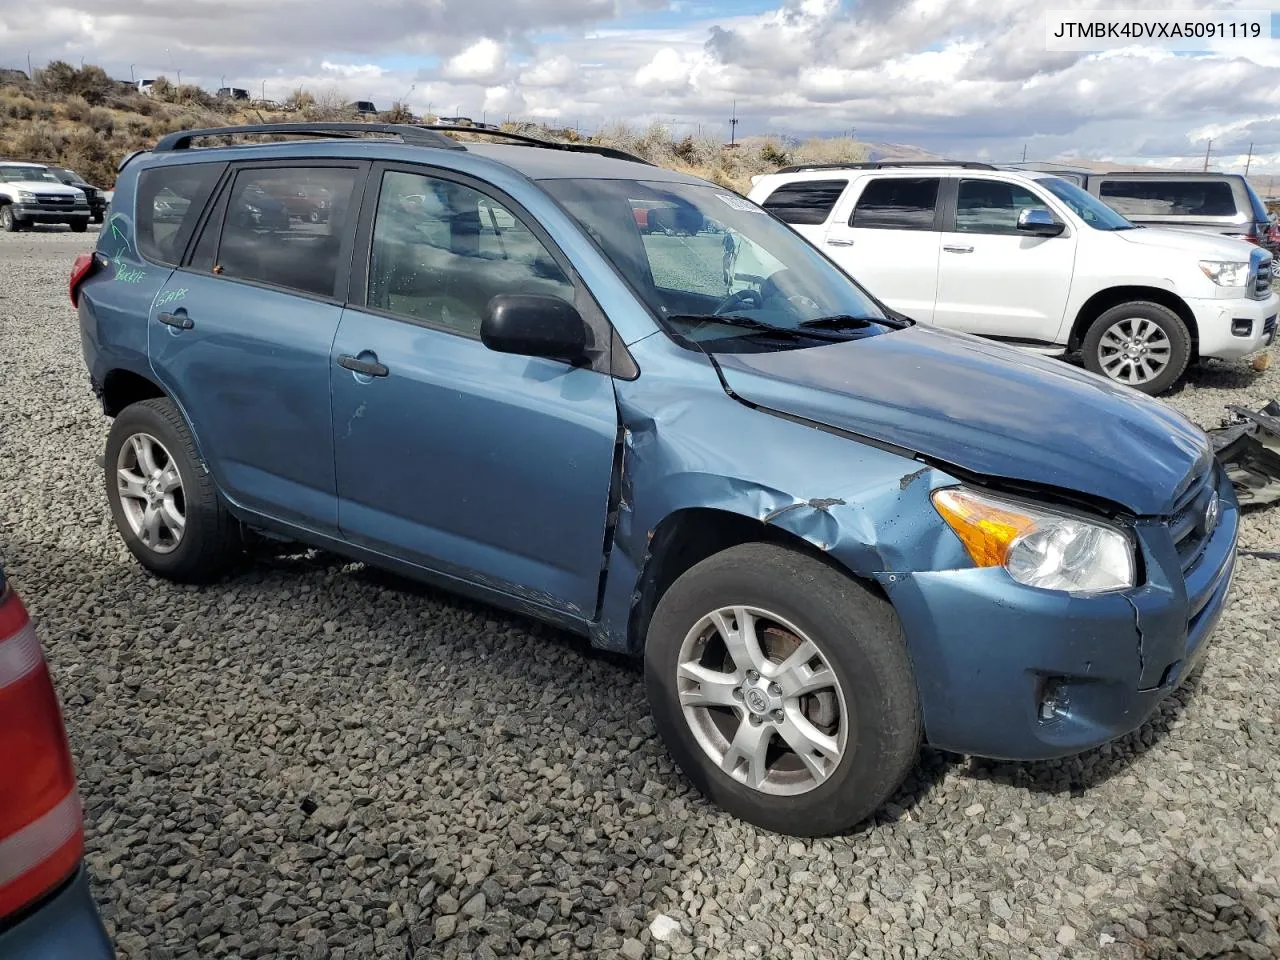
1226	273
1038	547
26	196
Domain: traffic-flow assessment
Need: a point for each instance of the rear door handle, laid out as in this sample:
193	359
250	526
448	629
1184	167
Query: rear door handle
370	368
956	248
177	319
837	242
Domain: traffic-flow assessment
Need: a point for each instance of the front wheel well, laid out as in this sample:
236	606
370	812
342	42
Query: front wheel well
1104	300
122	388
686	538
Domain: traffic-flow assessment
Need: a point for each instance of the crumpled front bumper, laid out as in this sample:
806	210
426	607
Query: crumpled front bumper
1013	672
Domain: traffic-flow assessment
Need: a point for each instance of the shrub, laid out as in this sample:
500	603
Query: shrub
39	141
102	121
76	109
398	113
771	152
18	108
837	150
300	99
62	79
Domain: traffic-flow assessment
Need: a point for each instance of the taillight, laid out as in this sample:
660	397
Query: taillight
80	271
41	827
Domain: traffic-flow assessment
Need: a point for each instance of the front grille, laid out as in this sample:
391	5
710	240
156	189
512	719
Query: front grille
55	199
1262	282
1186	523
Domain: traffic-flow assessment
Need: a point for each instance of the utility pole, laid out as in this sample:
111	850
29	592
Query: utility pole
1206	154
264	90
31	74
733	125
1248	160
131	79
1024	153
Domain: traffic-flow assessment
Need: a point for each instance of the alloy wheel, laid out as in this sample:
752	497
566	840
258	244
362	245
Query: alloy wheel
151	494
762	700
1134	350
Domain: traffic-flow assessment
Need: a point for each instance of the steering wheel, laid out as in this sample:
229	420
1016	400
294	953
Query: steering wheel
750	298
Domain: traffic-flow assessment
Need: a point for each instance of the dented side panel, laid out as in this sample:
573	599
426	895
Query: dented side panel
687	444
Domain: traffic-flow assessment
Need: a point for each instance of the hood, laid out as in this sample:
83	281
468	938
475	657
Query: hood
986	409
1207	246
42	186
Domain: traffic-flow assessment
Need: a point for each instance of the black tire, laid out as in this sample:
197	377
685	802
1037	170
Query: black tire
859	636
1173	328
8	222
79	226
96	218
210	541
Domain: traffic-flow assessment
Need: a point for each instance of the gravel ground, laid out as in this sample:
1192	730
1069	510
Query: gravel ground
317	760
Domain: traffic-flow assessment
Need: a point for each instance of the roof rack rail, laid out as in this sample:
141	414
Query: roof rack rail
409	133
524	138
882	164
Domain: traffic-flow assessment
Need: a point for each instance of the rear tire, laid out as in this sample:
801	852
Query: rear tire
1139	344
831	755
148	442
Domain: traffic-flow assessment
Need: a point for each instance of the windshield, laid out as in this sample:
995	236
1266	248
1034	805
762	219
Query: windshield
714	266
19	174
1085	205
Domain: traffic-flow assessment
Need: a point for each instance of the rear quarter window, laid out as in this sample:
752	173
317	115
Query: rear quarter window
1169	198
170	200
807	202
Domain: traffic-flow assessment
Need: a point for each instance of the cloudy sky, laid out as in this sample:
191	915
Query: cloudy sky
965	78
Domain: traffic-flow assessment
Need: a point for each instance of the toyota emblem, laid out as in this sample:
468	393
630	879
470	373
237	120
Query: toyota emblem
1211	513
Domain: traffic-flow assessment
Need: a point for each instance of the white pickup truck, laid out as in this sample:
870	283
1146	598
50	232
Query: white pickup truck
29	194
1031	259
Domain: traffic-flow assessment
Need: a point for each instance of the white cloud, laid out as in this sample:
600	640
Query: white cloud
353	71
482	61
554	71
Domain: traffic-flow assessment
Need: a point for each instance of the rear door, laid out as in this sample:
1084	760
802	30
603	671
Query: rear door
241	334
994	280
489	467
886	235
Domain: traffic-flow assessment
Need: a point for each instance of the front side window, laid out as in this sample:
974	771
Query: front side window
1169	198
170	199
284	226
441	251
992	206
719	268
807	202
897	203
1086	206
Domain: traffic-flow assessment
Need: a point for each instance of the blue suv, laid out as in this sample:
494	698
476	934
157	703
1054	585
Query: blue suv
831	533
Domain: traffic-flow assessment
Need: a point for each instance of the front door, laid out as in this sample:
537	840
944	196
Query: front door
240	336
994	280
489	467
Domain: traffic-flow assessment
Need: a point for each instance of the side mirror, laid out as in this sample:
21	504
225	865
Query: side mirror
533	325
1039	222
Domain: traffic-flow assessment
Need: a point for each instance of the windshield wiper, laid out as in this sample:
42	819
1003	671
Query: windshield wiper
839	321
750	323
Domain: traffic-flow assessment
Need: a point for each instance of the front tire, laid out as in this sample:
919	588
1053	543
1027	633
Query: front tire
162	498
783	689
79	226
8	222
1140	344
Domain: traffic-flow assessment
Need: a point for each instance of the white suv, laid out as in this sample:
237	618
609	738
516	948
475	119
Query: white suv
1033	260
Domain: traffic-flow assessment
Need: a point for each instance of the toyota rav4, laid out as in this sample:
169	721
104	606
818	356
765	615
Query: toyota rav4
830	532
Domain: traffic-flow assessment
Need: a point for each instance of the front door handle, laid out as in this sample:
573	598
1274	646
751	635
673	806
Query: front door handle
837	242
956	248
370	368
177	319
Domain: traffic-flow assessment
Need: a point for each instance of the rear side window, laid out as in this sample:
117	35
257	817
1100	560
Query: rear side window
897	203
1169	198
284	226
809	202
169	203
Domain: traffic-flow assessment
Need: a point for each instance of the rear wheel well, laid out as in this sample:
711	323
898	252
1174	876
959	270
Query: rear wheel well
1104	300
686	538
122	388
